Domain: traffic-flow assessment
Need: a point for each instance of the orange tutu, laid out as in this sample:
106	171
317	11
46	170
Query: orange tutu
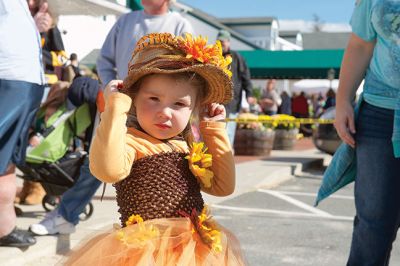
172	241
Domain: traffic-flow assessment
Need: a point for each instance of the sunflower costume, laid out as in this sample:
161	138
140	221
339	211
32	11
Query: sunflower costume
164	220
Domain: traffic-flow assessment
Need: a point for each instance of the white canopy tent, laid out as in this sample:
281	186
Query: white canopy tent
87	7
311	86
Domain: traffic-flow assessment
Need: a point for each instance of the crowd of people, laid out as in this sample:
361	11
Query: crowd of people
300	105
148	111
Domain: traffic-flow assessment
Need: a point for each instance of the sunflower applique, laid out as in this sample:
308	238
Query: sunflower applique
199	162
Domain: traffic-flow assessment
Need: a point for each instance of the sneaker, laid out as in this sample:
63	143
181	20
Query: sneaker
52	224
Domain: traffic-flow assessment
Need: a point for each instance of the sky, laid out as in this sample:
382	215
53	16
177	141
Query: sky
328	11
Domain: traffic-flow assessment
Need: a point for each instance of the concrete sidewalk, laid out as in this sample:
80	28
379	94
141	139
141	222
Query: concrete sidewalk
269	172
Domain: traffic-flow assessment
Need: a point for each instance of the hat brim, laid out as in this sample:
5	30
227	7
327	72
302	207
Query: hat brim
219	84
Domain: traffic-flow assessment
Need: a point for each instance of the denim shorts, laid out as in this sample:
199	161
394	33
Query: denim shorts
19	103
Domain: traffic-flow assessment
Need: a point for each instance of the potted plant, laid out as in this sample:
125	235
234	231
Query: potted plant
253	137
286	132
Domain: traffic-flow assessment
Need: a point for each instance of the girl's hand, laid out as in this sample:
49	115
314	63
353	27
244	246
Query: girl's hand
213	112
344	123
112	87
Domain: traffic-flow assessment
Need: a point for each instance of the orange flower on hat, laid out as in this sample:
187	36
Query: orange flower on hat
197	48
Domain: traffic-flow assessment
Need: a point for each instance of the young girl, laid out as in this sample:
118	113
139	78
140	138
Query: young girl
157	171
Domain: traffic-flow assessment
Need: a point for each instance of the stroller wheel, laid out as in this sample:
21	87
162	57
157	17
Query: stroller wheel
87	212
49	203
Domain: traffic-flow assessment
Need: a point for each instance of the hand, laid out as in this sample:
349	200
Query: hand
42	18
34	141
112	87
344	123
251	100
265	103
213	112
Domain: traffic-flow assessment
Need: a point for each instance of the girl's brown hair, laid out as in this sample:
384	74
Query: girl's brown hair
195	80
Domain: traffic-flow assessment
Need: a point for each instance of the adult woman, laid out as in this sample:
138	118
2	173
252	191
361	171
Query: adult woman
373	53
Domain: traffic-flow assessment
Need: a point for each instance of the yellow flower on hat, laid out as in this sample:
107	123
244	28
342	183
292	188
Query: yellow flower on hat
199	161
221	61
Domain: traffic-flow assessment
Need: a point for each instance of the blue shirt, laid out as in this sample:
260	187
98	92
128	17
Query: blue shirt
379	20
372	20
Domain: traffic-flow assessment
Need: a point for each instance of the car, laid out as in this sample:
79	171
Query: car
325	137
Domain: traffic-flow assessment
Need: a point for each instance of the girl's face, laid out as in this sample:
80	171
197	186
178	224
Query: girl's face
164	105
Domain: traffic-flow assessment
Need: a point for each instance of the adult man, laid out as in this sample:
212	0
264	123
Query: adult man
241	82
121	40
32	193
270	99
113	64
21	90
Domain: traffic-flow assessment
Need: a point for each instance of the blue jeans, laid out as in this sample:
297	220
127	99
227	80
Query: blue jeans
231	128
75	199
377	188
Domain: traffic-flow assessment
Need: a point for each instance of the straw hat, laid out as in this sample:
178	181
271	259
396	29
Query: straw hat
164	53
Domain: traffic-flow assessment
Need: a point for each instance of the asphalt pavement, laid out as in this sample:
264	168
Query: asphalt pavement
241	212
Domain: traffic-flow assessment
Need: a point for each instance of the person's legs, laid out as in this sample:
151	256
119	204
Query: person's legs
72	204
19	102
8	188
231	128
377	189
74	200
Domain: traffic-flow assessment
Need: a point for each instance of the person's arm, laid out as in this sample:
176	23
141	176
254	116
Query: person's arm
223	165
112	150
216	139
247	86
105	64
266	102
42	18
354	65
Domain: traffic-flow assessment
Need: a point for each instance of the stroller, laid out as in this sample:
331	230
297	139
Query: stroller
55	162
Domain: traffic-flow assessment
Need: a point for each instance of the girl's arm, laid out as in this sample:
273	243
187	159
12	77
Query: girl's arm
223	165
354	65
217	141
111	156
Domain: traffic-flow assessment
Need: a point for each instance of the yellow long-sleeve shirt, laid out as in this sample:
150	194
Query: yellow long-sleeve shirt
115	147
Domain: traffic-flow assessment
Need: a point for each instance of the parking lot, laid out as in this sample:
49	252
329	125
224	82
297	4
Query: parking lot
280	226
